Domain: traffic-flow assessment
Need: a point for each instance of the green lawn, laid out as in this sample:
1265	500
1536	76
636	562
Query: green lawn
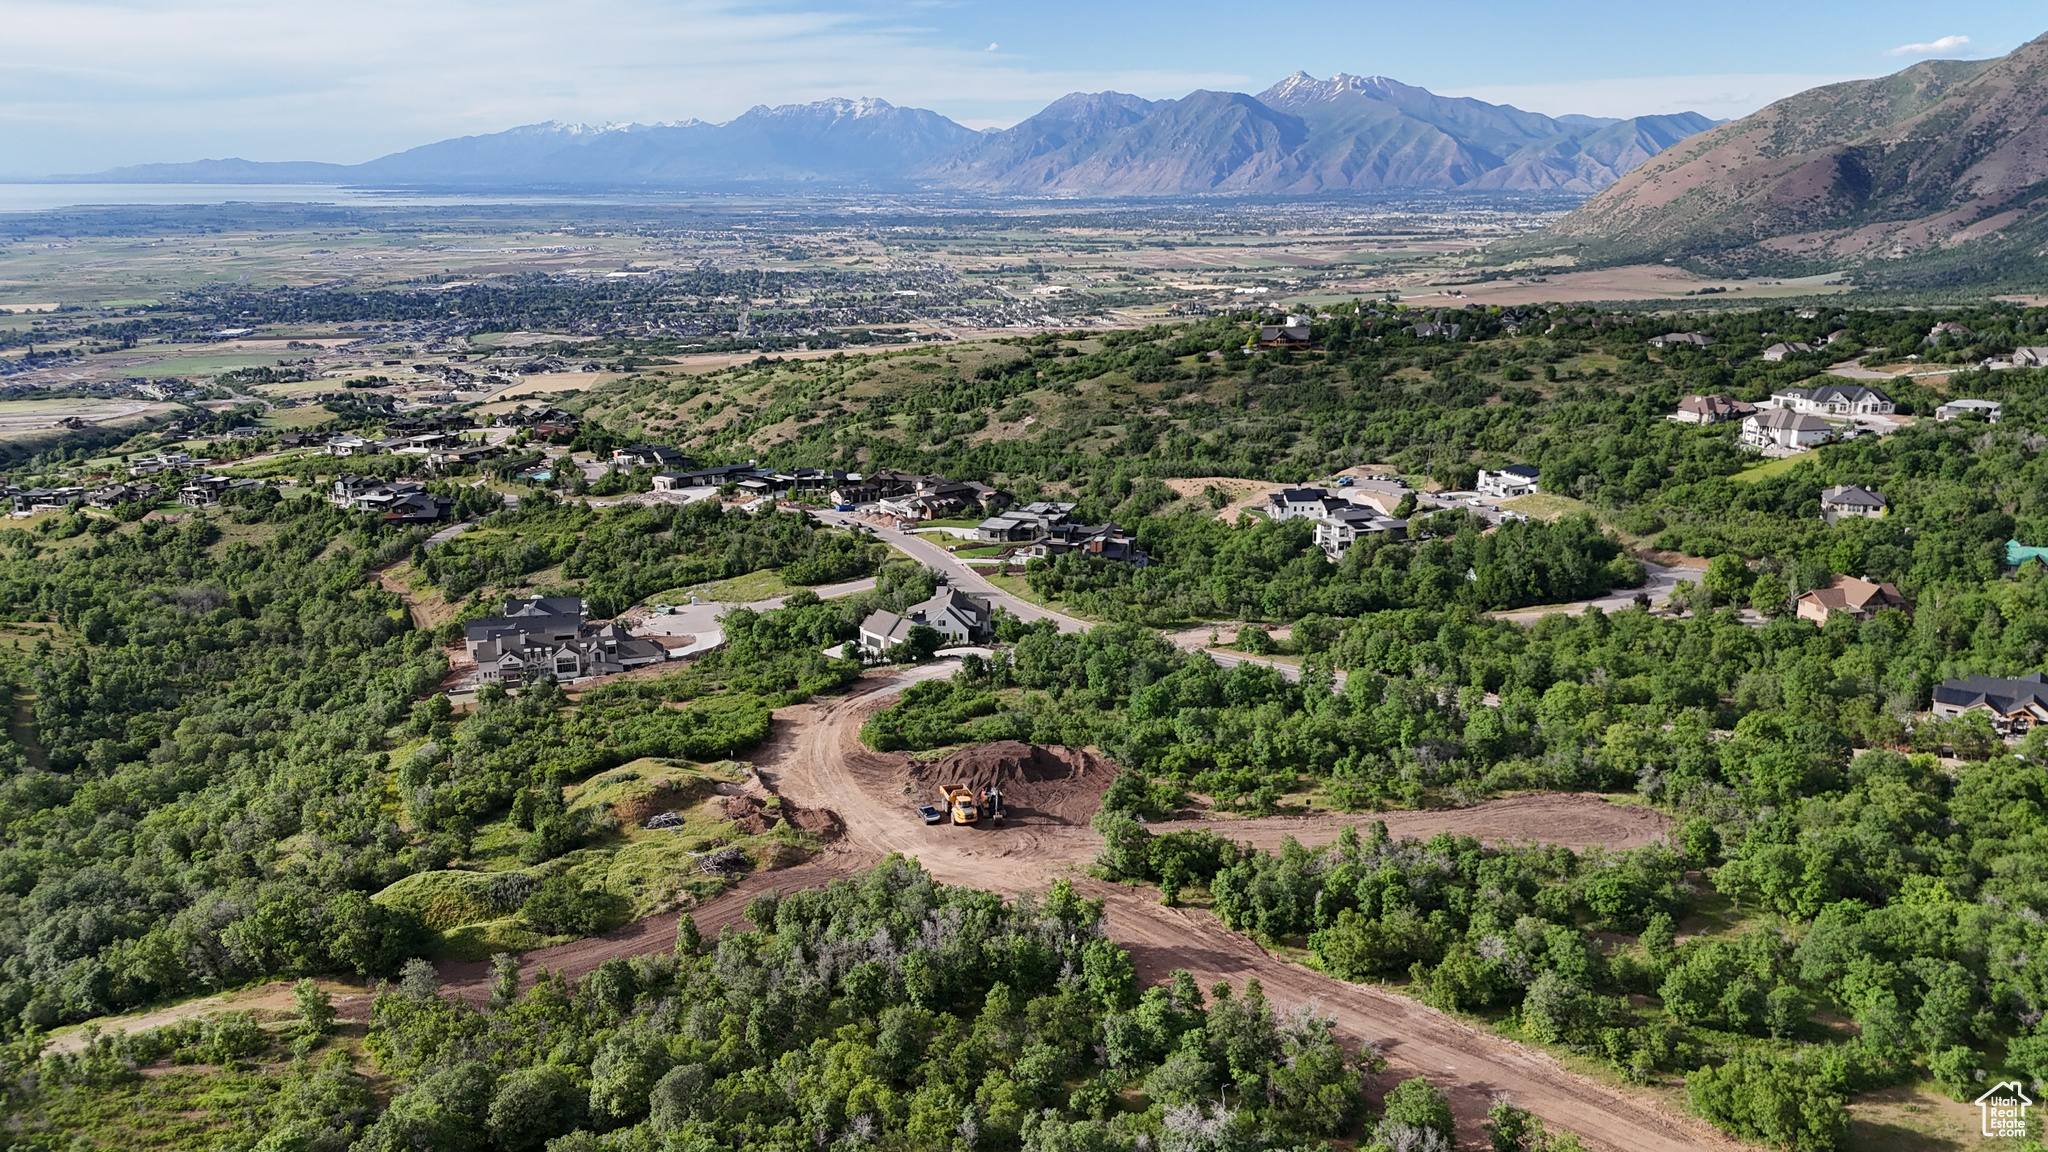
1770	468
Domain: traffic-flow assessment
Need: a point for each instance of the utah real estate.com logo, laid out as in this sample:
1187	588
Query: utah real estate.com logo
2004	1109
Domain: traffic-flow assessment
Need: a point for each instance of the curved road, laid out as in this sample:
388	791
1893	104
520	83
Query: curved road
816	759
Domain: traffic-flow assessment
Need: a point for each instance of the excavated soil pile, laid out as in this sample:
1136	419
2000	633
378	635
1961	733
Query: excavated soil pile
1061	785
753	817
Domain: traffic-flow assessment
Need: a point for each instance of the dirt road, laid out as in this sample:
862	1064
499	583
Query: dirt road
816	758
1573	820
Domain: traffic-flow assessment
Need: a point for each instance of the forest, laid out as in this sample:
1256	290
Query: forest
231	739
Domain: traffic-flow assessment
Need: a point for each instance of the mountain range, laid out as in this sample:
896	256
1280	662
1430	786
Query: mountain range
1936	174
1301	136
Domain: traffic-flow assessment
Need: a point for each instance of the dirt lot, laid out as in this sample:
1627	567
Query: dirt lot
1575	821
816	758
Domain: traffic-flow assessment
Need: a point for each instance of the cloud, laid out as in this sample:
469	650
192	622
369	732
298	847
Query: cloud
90	84
1721	97
990	48
1939	47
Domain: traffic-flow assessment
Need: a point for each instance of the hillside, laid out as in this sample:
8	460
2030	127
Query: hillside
1934	174
1302	136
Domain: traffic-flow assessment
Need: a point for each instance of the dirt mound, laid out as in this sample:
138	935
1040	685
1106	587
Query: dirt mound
1063	785
753	817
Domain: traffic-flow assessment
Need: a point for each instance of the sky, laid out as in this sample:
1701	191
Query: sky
90	84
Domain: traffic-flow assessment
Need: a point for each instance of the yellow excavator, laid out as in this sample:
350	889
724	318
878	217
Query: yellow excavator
960	802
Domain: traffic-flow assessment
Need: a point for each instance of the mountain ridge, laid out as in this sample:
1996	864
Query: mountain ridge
1301	136
1928	173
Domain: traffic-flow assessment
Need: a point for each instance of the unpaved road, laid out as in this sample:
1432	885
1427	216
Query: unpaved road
816	758
1575	821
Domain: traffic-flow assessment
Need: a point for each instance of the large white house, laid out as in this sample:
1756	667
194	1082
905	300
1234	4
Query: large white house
1338	531
957	617
1300	504
1784	428
1513	480
1835	400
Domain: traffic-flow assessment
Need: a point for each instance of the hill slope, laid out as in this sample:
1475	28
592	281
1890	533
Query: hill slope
1938	173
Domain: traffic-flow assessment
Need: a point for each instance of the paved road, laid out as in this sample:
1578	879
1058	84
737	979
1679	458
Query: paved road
1662	580
701	619
966	579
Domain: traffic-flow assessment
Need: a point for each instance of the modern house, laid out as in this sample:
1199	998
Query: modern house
650	456
203	491
705	478
1513	480
552	637
1781	350
1835	400
936	498
1294	330
2013	705
1850	500
112	495
1850	596
1021	525
1681	340
1337	532
1784	428
1710	410
1300	504
1101	541
1989	410
954	615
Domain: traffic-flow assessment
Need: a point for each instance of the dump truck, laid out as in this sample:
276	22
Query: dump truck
960	802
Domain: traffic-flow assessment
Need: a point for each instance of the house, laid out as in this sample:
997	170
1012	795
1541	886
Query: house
369	494
552	637
1294	330
1430	330
1835	400
2013	705
957	617
1850	500
351	445
1384	495
1783	428
1513	480
935	498
45	499
1948	330
816	481
419	508
1850	596
1301	504
1710	410
1100	541
2030	357
203	491
1681	340
1338	531
649	456
1024	524
111	495
1990	410
1781	350
704	478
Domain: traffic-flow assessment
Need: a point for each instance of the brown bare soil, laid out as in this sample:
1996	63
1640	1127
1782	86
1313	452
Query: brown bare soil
1574	820
815	761
1062	785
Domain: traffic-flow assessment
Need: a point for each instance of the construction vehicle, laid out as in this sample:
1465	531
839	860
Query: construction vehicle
960	801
